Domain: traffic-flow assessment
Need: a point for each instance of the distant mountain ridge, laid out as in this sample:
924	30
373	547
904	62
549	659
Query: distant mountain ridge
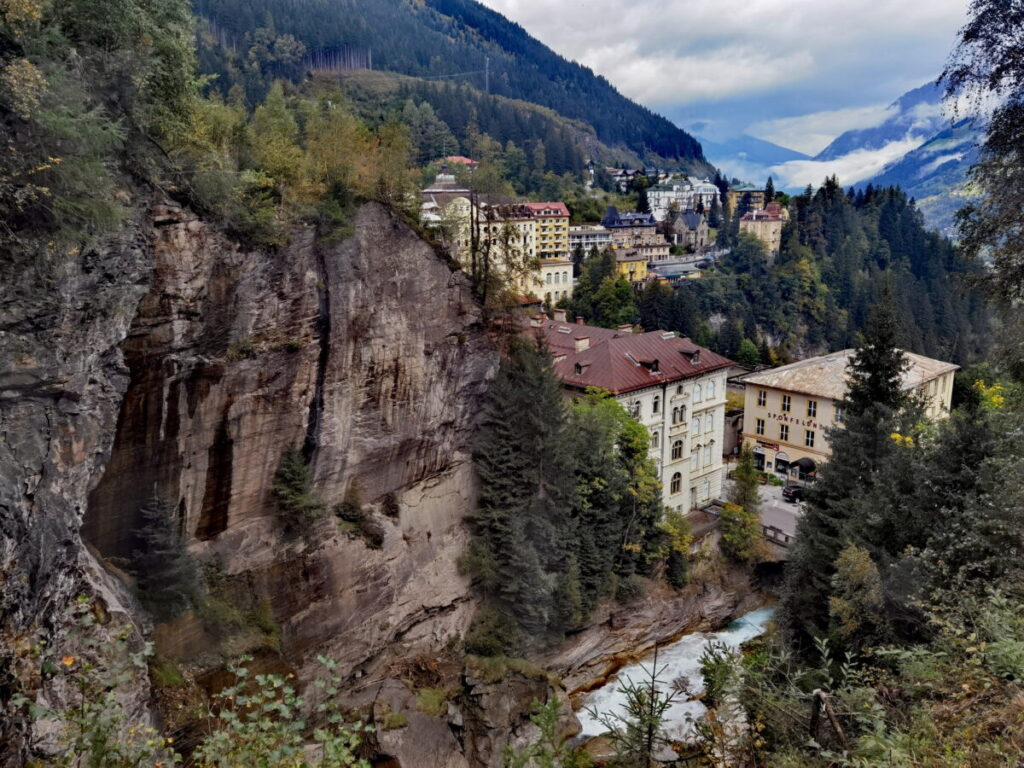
467	42
747	157
917	114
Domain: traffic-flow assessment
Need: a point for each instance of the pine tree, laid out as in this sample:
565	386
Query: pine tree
166	574
522	527
769	191
839	508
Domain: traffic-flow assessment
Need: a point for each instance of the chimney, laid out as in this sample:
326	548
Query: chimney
559	315
582	343
628	327
579	321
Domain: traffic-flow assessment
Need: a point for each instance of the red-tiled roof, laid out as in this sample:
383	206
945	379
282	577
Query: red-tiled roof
559	209
620	361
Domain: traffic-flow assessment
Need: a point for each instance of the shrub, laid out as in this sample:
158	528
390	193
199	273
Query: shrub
741	534
296	506
432	701
390	505
165	673
351	507
630	589
372	531
489	634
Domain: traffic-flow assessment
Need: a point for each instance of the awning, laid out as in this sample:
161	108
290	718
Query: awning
782	456
806	465
758	449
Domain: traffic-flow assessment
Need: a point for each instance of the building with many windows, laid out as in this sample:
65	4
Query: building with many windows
788	410
766	226
552	227
672	386
589	236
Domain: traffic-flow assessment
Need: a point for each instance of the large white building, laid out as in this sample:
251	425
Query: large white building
672	386
683	193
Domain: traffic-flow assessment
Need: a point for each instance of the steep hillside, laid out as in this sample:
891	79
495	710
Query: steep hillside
442	38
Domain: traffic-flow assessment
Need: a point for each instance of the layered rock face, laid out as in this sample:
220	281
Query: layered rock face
171	363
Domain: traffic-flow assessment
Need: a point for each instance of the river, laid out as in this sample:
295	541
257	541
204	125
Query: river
676	660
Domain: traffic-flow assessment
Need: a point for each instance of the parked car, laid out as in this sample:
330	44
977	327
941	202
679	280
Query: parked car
793	493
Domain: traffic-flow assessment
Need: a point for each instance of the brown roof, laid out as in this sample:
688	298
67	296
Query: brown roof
620	361
826	376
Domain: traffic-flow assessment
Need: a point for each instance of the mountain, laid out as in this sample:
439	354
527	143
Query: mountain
747	157
463	41
916	115
936	172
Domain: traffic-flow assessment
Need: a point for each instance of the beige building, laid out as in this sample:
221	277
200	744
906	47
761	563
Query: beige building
766	226
552	226
554	281
788	410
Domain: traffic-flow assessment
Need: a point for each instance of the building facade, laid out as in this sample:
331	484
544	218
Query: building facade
788	410
672	386
746	196
555	280
589	236
766	226
552	227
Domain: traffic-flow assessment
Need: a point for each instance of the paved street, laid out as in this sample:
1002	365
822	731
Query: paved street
775	510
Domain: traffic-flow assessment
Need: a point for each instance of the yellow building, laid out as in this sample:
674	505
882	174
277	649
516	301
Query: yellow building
788	410
766	226
552	220
631	265
746	195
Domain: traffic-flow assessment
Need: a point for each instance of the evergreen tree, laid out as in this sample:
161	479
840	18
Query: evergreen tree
655	307
295	504
522	527
839	509
166	574
741	519
769	191
715	214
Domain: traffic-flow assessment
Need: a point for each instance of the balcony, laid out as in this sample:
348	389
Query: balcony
678	429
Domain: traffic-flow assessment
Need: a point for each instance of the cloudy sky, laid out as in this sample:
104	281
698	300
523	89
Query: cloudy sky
796	72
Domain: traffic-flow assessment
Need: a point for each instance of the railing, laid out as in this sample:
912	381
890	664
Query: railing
776	535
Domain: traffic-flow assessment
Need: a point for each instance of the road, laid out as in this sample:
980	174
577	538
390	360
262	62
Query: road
775	510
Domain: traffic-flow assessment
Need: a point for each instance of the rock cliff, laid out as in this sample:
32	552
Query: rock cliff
169	362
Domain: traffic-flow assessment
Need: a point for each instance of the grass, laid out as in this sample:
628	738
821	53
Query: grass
165	673
495	668
432	701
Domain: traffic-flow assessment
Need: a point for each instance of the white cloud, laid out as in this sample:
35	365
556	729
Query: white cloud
669	52
812	133
850	168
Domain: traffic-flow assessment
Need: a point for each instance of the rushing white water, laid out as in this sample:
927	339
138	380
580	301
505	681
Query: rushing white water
681	659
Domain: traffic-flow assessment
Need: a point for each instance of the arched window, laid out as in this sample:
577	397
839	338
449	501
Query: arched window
675	415
698	392
695	457
655	440
558	278
635	410
657	404
695	425
677	483
709	422
711	389
565	277
707	452
548	278
677	450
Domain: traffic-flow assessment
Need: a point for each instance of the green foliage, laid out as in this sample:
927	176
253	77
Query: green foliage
551	750
164	673
432	701
748	354
741	534
717	669
489	634
495	668
857	606
297	508
260	720
166	575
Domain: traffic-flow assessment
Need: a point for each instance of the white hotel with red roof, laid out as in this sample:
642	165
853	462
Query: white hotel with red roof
672	386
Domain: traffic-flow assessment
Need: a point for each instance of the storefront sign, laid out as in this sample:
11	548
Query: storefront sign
785	417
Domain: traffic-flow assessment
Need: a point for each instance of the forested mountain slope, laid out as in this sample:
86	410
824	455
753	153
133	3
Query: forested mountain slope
440	38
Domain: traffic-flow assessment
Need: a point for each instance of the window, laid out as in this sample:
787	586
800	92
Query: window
557	279
839	414
695	458
809	438
709	423
787	403
657	404
675	415
677	483
695	425
679	389
698	393
654	440
759	426
706	490
635	410
784	432
812	407
711	389
677	450
565	277
548	278
707	453
762	399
